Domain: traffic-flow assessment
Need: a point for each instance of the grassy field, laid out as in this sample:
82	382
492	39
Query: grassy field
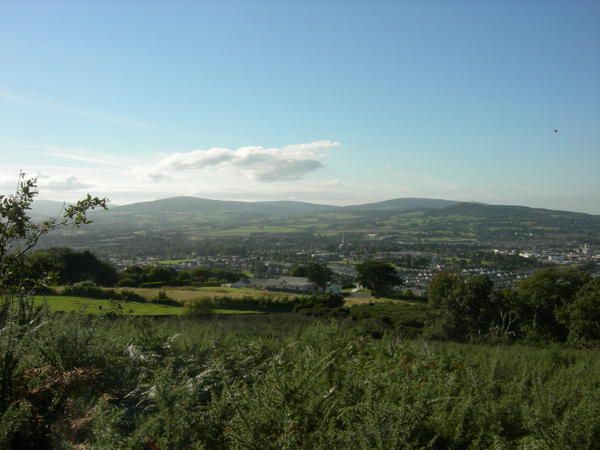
196	294
185	294
189	295
364	296
252	229
63	303
171	262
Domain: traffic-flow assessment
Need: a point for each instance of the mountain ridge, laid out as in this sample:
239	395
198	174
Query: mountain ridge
192	204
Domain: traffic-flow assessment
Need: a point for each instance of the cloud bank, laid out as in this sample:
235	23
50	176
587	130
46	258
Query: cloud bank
61	182
288	163
54	183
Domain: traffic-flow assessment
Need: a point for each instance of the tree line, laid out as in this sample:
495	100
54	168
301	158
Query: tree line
64	266
554	304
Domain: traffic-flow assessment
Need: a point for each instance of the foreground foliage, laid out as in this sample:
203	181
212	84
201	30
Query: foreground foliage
280	381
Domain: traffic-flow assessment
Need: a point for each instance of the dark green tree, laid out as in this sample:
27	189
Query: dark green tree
70	266
318	274
441	286
467	307
582	317
379	277
544	298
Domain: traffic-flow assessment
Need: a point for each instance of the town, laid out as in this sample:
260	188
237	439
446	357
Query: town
269	269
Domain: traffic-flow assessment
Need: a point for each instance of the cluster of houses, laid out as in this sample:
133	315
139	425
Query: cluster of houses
285	284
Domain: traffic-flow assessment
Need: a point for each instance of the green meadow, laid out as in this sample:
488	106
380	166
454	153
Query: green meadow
63	303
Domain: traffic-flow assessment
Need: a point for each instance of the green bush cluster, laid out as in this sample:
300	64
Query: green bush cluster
555	304
67	266
324	302
89	289
407	320
160	276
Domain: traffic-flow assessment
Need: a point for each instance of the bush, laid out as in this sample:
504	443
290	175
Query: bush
127	295
87	289
403	319
163	299
153	284
127	282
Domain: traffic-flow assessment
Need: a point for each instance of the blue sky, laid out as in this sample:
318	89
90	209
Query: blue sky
336	102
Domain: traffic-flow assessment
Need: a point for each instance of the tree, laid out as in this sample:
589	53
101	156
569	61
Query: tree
318	274
70	266
19	233
20	318
582	317
466	306
442	284
545	297
377	276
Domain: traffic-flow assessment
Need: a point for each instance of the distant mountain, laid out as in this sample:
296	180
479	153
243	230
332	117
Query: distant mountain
184	221
508	212
400	204
46	208
197	205
215	210
202	206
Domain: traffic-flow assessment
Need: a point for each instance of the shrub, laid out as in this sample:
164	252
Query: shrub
87	289
163	299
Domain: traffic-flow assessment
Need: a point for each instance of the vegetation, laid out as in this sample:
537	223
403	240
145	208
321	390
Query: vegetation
318	274
159	276
278	381
19	233
377	276
66	266
84	305
316	375
174	228
554	304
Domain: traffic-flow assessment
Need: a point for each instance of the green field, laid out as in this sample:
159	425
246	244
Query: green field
63	303
184	294
251	229
171	262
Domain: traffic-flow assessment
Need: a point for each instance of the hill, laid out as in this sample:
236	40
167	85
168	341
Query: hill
187	221
423	214
195	205
46	208
401	204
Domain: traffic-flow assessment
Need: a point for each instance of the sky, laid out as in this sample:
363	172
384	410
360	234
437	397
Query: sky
337	102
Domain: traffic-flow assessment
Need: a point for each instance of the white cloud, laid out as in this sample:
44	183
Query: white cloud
286	163
61	183
8	182
46	183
